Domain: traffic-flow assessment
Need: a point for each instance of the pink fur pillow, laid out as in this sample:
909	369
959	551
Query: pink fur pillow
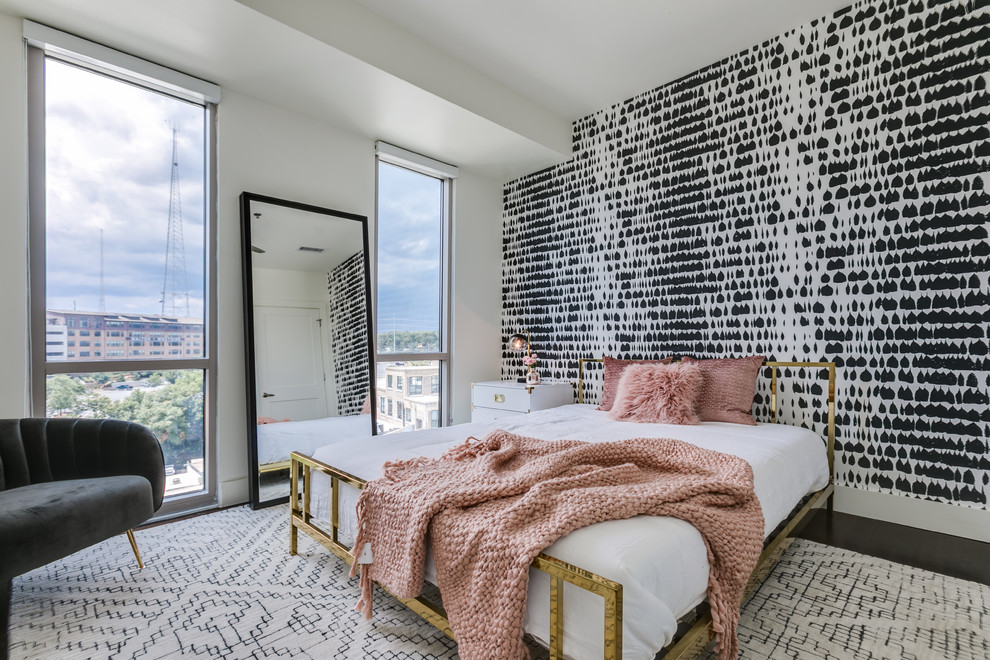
658	393
613	373
729	386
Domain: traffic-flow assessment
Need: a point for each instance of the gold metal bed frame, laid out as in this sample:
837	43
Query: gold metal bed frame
274	467
692	643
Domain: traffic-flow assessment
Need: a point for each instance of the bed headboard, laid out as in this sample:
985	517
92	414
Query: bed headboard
774	367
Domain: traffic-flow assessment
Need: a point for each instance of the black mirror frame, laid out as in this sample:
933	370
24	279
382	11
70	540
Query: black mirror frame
249	361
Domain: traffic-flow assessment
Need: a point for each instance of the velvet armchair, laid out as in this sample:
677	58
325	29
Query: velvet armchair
66	484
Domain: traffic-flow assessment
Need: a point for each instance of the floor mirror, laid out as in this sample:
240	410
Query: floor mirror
308	335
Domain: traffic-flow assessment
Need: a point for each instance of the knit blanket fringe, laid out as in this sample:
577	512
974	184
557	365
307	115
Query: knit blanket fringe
490	506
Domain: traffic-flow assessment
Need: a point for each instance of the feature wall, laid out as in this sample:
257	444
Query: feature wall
349	334
821	196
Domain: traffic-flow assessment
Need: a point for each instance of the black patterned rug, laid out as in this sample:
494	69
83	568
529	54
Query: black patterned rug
224	586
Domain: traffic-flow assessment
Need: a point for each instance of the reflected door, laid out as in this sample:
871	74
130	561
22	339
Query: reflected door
289	356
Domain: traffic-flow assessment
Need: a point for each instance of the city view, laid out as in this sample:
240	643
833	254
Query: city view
125	261
410	295
168	402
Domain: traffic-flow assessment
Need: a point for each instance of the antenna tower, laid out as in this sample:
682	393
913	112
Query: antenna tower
175	293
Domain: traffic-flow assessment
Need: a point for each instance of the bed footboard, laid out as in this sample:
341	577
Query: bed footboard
301	518
689	645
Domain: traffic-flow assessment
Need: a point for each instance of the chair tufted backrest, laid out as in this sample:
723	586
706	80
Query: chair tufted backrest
37	449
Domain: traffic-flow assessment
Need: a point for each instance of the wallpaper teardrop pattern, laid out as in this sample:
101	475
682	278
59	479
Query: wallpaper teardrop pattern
821	196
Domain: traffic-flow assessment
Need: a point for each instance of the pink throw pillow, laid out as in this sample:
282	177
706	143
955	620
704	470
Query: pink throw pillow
613	373
728	390
658	393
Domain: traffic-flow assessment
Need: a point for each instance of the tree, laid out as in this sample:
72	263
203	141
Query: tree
62	394
406	341
93	404
174	412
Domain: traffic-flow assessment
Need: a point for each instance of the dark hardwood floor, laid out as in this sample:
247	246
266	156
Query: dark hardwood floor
941	553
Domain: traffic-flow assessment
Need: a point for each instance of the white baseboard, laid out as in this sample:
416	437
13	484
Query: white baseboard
923	514
233	492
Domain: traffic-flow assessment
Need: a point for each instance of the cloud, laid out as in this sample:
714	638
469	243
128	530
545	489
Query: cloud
409	250
109	148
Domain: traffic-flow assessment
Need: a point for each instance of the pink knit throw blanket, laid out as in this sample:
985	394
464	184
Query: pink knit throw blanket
491	506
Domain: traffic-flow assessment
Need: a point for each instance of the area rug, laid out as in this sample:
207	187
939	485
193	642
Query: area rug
224	586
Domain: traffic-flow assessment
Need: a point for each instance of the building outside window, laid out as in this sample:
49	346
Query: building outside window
415	385
127	173
413	215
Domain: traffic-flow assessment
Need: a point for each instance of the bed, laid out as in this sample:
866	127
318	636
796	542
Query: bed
277	440
623	599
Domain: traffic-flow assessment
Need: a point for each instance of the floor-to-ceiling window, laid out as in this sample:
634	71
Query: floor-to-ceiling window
413	214
121	238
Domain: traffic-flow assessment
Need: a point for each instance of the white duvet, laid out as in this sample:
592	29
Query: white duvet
275	441
661	562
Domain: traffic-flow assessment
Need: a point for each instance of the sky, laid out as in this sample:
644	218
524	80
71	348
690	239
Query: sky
109	148
410	232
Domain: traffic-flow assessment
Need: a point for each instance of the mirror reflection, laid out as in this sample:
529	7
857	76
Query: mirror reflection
310	321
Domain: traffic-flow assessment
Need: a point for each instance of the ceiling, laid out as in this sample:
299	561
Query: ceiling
282	233
492	87
576	57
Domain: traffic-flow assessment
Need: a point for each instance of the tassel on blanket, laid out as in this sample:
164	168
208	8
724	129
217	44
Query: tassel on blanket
472	448
392	470
367	592
367	588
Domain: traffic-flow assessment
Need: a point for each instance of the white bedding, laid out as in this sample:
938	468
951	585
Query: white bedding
275	441
661	562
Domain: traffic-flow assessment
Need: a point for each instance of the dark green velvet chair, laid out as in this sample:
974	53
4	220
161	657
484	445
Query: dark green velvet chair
66	484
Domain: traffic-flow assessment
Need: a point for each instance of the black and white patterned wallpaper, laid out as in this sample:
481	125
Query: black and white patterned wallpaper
821	196
349	333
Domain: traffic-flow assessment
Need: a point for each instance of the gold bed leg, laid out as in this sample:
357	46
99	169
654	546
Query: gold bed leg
334	505
611	591
556	618
293	507
130	537
613	624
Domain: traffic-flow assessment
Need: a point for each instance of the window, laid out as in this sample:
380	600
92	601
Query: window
413	215
415	385
122	167
389	379
434	419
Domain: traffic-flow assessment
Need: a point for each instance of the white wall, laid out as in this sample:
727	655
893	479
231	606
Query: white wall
13	221
300	286
271	151
476	291
267	150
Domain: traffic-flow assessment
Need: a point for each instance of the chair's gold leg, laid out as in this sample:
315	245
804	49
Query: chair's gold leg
130	537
